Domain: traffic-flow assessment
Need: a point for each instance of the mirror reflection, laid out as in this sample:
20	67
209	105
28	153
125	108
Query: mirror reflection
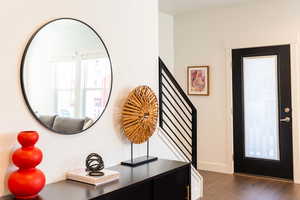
66	76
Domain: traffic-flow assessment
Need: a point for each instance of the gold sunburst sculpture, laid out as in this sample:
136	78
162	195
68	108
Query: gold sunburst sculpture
140	113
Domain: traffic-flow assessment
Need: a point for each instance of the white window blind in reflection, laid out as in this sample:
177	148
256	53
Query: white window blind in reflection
82	87
96	80
261	107
65	75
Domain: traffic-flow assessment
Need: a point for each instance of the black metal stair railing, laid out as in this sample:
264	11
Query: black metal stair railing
178	116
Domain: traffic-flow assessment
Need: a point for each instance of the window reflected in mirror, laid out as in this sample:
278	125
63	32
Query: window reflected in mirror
66	76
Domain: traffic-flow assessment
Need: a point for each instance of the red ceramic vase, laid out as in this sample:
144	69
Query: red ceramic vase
28	181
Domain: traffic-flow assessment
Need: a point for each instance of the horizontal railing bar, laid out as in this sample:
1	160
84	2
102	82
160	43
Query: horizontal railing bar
176	84
174	100
177	129
178	120
176	93
177	137
187	133
163	94
176	144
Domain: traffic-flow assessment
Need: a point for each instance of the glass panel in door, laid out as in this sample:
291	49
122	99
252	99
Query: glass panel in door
261	107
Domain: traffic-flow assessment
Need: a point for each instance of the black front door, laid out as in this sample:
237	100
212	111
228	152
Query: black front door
262	112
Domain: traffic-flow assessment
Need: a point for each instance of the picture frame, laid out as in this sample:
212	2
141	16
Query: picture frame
198	80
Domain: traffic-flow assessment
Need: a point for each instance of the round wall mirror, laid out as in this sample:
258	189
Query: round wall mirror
66	76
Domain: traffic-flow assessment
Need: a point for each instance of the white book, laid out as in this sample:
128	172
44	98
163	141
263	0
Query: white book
82	176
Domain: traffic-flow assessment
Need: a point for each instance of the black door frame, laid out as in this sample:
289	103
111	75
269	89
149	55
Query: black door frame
238	143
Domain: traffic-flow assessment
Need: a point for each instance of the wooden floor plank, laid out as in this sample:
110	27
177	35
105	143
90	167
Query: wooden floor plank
219	186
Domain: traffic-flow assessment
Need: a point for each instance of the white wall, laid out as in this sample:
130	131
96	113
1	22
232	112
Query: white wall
130	31
206	38
166	39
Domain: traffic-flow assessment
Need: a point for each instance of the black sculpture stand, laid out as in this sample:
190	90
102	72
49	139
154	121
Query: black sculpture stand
134	162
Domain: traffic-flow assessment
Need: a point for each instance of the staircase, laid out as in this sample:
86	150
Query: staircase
178	124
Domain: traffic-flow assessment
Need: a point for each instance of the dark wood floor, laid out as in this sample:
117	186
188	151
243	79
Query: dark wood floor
240	187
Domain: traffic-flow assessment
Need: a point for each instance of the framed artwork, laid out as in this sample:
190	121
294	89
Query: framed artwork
198	80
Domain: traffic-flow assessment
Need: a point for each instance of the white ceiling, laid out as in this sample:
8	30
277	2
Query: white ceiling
181	6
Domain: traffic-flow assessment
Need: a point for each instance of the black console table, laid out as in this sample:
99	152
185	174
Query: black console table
159	180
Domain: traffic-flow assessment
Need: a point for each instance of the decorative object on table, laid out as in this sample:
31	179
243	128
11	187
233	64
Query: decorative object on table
140	114
27	181
198	80
82	176
139	120
94	164
93	173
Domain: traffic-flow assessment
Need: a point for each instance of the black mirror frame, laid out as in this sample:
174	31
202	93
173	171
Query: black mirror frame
22	73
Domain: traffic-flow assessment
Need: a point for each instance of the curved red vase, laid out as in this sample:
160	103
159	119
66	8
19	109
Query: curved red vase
28	181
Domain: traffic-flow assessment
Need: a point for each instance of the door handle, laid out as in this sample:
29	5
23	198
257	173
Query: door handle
287	110
286	119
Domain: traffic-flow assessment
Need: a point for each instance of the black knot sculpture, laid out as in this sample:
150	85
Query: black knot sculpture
94	164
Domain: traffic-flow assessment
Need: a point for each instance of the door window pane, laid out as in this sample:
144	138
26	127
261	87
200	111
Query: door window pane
94	103
97	74
65	75
261	107
65	103
65	88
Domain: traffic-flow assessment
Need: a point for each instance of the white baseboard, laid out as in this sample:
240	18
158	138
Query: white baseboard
215	167
297	180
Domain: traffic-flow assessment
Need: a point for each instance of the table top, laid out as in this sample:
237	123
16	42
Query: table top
68	189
